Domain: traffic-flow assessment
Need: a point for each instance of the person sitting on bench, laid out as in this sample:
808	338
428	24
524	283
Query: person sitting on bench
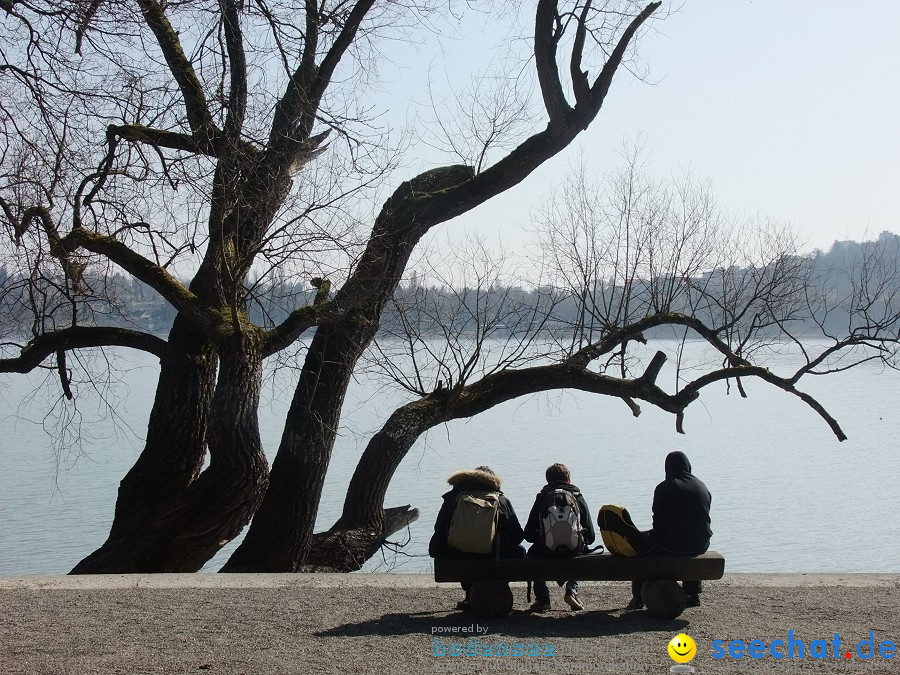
476	520
559	525
681	522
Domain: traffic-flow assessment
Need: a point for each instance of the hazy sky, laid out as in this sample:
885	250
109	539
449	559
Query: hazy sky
790	108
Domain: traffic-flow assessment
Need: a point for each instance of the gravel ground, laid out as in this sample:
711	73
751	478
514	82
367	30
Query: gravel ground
385	624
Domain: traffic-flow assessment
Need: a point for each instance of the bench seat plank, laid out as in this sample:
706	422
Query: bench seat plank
591	567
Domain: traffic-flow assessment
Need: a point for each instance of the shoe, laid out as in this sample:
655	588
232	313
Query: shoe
693	600
572	601
636	603
539	606
463	605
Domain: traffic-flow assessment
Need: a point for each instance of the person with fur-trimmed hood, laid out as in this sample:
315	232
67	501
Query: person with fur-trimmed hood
509	531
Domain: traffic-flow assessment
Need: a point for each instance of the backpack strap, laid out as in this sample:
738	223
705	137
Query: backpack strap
499	527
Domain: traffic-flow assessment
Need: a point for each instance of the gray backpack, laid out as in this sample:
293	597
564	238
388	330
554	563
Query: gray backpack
560	522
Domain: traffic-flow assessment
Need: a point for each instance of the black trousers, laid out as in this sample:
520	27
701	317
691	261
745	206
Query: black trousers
691	587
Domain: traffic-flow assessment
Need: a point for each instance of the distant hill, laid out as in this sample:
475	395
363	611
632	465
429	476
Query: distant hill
119	300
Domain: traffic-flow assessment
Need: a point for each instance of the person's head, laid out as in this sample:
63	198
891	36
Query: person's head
558	472
485	469
677	464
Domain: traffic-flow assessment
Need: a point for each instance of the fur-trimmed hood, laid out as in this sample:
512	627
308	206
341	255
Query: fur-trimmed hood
489	480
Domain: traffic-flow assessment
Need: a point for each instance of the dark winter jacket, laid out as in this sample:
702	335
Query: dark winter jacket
509	531
533	529
681	503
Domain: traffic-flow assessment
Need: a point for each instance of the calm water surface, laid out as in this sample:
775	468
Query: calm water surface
787	497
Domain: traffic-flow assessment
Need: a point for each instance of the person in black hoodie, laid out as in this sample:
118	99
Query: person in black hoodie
509	531
681	522
558	478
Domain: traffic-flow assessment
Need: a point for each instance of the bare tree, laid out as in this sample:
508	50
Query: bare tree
631	260
163	139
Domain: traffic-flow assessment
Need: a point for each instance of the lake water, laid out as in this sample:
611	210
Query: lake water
787	496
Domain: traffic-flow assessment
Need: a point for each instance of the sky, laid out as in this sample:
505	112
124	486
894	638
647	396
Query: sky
790	109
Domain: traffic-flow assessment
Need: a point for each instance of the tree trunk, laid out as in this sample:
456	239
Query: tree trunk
173	453
339	550
189	527
364	503
282	529
293	500
154	529
365	525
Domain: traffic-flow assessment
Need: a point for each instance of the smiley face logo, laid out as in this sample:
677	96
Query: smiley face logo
682	648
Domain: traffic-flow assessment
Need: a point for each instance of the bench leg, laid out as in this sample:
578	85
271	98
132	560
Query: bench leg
491	598
664	598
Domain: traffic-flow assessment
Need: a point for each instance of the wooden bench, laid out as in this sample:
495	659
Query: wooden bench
490	595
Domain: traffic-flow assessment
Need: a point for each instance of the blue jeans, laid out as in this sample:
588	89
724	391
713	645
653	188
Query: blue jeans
542	592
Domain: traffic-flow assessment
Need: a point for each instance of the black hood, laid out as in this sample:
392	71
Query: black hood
677	464
681	503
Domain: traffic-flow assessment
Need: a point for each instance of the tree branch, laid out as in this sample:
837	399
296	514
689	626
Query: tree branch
692	389
295	112
132	262
63	372
833	349
290	106
302	318
652	370
138	266
199	117
506	385
160	138
559	133
237	62
580	85
601	85
545	44
339	47
211	145
635	331
81	337
632	406
84	23
385	450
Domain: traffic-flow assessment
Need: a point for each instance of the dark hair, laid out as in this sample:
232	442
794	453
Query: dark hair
486	469
558	472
